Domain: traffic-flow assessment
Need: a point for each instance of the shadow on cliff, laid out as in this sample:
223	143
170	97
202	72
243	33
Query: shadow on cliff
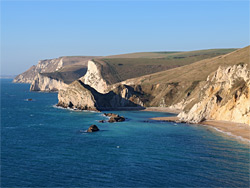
122	97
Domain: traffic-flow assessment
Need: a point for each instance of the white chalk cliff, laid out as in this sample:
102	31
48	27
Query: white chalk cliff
54	74
44	83
78	95
49	65
225	96
94	78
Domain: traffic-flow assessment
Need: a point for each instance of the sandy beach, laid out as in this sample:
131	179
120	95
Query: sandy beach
230	128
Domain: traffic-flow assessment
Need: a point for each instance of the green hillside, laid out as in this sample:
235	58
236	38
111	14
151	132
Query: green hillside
199	70
122	67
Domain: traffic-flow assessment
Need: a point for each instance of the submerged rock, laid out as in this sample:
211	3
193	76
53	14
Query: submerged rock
101	121
92	128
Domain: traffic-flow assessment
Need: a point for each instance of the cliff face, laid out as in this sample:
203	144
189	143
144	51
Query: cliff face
81	96
44	83
77	96
94	78
225	96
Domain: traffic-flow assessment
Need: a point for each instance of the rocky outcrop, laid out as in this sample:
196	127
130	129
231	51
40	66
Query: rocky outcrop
44	83
225	96
78	95
92	128
94	78
114	117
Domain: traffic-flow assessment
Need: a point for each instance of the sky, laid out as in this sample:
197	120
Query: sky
36	30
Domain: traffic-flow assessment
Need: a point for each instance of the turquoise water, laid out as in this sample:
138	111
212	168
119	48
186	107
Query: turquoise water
42	146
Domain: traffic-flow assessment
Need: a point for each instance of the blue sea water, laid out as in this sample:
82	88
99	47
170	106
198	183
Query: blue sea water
42	146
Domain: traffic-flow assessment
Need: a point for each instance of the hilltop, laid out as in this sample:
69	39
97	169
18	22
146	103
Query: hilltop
118	68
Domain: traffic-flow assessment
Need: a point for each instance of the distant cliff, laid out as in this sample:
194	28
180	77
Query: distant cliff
27	76
54	74
49	65
44	83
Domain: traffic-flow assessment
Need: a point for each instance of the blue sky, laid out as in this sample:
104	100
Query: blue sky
35	30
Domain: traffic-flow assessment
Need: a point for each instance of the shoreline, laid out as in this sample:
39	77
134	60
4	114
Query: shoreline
237	130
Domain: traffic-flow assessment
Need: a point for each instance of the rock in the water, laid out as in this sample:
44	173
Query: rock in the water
114	117
29	99
101	121
92	128
111	114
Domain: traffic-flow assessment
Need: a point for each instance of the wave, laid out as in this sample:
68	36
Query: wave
229	134
30	100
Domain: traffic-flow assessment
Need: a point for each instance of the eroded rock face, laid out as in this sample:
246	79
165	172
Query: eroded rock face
94	78
225	96
44	83
78	95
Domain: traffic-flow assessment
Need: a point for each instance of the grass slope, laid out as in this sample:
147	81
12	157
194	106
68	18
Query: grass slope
199	71
122	67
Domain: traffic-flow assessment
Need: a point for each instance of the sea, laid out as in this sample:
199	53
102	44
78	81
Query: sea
46	146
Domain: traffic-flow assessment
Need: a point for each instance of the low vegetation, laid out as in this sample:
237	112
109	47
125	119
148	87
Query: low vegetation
123	67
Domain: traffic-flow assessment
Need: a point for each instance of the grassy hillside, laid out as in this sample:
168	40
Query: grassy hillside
166	54
122	67
199	70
